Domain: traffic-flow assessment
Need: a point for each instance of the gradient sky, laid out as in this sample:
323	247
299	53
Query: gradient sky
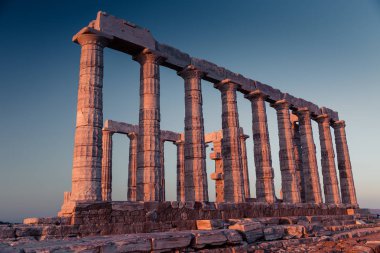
325	51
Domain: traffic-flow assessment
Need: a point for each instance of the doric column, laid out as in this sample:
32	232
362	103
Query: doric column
195	150
309	159
86	173
218	175
244	163
298	155
107	166
132	166
262	152
231	149
330	180
290	189
148	141
162	180
180	170
347	186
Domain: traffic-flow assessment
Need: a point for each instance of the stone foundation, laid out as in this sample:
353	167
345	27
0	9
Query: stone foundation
105	218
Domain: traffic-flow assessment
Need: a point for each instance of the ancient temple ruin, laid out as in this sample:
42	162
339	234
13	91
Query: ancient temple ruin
298	163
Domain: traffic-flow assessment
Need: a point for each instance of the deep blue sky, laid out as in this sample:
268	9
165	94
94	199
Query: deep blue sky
324	51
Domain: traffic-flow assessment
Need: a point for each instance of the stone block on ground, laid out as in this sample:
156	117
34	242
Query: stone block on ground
210	237
210	224
274	233
251	231
171	240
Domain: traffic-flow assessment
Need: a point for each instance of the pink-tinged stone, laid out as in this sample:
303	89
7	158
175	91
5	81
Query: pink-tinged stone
290	188
86	173
244	163
148	141
162	179
219	169
231	148
107	166
298	155
261	150
194	149
330	180
180	171
309	159
347	186
132	166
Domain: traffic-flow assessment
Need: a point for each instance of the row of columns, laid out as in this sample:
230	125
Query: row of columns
149	173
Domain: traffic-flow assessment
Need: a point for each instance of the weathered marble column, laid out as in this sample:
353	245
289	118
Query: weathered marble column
148	141
244	163
231	149
87	161
180	170
347	186
290	189
330	180
162	182
107	166
309	159
195	150
262	152
218	175
132	166
298	155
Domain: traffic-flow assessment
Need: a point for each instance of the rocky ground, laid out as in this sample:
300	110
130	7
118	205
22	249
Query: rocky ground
260	235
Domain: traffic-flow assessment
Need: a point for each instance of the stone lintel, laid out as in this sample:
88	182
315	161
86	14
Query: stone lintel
130	38
332	114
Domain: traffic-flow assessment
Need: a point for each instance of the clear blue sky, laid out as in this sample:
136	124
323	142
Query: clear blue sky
324	51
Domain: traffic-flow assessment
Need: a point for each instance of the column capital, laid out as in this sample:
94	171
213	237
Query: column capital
302	111
244	136
255	95
89	38
148	55
226	85
132	135
105	131
280	105
179	142
323	118
190	71
339	124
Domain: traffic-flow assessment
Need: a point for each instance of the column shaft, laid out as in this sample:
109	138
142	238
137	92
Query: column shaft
196	188
180	171
86	173
244	162
132	166
261	151
231	149
298	158
330	180
162	182
309	159
347	186
218	175
290	189
107	166
148	141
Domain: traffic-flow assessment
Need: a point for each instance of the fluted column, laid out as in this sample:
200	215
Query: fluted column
107	166
132	166
330	180
290	189
180	170
162	182
298	156
196	188
148	141
244	163
309	159
231	149
86	173
347	186
218	175
261	151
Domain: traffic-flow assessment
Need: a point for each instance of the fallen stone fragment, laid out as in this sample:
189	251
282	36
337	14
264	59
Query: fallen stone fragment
252	231
210	224
210	237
